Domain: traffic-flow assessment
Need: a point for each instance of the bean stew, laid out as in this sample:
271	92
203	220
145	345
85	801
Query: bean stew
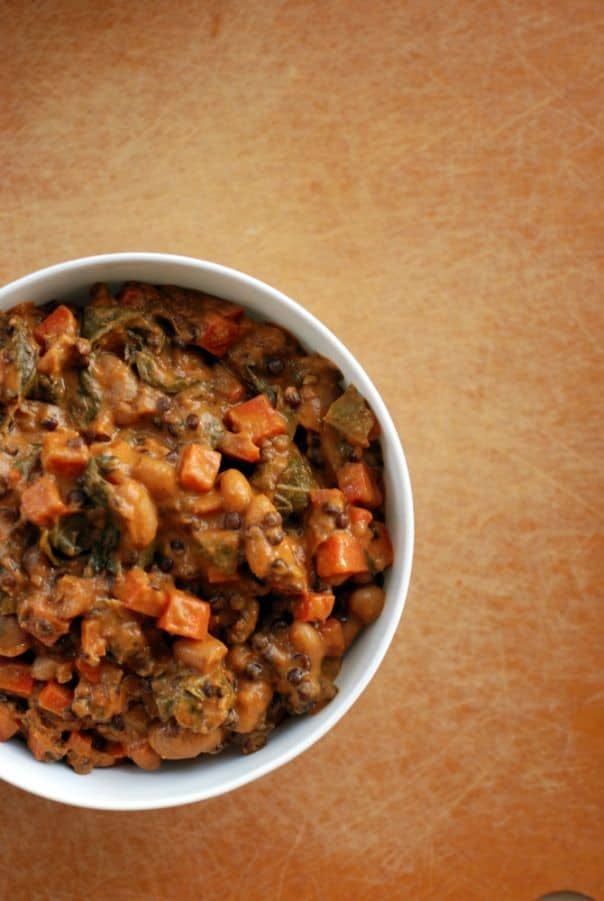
191	527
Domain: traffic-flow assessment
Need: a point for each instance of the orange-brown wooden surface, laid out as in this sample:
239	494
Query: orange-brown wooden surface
428	178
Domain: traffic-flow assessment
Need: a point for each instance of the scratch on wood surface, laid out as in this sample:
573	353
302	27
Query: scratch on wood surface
556	483
518	117
565	108
287	859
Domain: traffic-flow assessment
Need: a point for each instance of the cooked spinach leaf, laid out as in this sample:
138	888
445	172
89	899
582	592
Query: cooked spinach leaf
103	557
87	403
72	535
351	417
92	483
295	482
50	388
18	362
151	370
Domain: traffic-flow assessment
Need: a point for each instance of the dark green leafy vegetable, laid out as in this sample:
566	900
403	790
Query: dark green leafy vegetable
92	483
18	362
50	388
258	384
151	371
351	416
295	482
87	403
98	321
198	702
220	548
72	535
103	557
335	449
27	460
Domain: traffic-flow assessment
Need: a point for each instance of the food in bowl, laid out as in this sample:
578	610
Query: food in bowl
192	527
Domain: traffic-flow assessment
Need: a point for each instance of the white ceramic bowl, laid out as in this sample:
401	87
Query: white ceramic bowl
128	788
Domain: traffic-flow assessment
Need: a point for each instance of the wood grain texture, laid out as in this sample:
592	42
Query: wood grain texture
427	177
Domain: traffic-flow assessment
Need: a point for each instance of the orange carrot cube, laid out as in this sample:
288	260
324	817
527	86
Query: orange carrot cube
16	679
41	502
87	671
9	724
60	322
240	446
358	485
135	591
64	452
198	467
55	698
185	615
340	555
333	496
314	605
257	418
218	334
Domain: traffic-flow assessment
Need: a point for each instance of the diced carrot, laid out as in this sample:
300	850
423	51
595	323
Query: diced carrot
158	476
55	698
358	485
257	418
16	679
333	637
218	334
216	576
359	520
87	671
135	591
198	467
60	322
79	743
314	605
185	615
13	639
240	446
340	555
41	503
9	724
116	749
379	547
320	496
94	645
64	452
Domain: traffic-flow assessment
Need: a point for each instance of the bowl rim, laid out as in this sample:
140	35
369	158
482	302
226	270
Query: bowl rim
397	467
